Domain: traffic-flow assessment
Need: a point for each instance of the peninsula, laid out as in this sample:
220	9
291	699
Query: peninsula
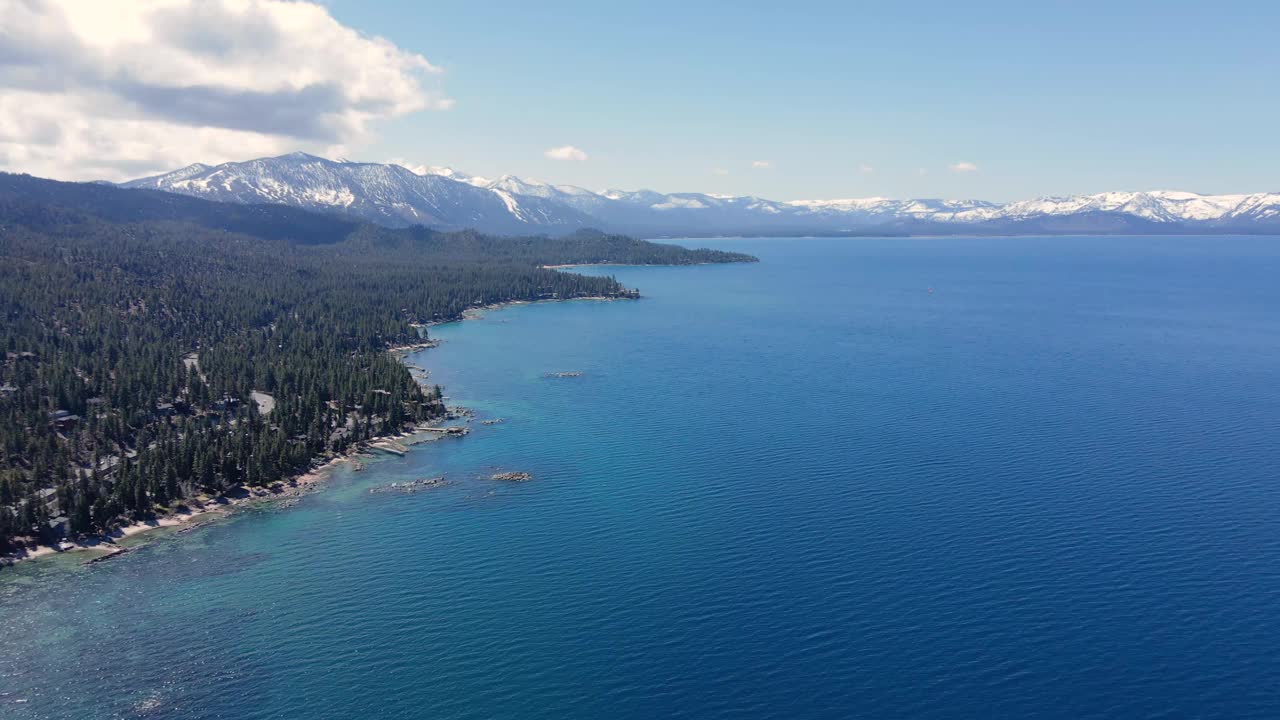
161	350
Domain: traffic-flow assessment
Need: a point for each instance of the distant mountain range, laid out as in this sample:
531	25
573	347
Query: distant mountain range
445	198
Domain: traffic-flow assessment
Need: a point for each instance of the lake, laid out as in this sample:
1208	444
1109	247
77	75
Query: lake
916	478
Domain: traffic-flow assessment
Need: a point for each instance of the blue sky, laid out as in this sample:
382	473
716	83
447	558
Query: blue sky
801	100
845	99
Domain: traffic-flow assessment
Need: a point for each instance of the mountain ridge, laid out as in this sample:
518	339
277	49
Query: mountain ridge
445	198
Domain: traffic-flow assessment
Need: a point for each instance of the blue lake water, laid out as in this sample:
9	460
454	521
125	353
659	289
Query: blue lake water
804	488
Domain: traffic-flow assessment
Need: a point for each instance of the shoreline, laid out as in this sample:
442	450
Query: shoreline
624	265
204	509
208	508
477	312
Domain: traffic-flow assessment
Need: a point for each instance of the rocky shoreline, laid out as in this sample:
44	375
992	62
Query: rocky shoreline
204	509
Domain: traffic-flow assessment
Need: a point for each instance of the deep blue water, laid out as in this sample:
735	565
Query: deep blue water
805	488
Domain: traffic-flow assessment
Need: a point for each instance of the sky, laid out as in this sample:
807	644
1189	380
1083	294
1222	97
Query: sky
801	100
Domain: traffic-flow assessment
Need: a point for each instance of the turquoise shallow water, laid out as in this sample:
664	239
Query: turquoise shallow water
805	488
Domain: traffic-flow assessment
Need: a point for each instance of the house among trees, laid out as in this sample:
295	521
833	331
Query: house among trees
63	419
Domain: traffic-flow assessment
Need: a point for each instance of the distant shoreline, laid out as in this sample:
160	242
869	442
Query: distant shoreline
941	236
614	264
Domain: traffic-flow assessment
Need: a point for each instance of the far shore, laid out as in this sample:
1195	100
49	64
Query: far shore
570	266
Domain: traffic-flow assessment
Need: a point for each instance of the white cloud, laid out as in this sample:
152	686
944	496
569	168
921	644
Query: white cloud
566	152
866	169
97	89
761	164
413	167
963	167
720	171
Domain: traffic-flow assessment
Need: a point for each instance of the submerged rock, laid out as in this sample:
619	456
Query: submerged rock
566	374
100	558
512	476
411	486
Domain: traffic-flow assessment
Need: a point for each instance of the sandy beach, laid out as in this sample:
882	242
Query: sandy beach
199	510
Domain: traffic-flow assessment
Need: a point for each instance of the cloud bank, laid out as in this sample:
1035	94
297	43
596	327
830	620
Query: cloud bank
99	89
963	167
566	152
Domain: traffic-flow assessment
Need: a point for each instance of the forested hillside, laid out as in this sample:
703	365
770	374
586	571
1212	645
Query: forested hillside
129	349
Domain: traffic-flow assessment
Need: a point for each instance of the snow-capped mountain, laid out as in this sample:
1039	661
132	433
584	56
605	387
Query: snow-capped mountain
444	197
385	194
1156	206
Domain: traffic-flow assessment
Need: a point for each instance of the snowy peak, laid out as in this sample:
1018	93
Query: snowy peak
513	184
448	172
